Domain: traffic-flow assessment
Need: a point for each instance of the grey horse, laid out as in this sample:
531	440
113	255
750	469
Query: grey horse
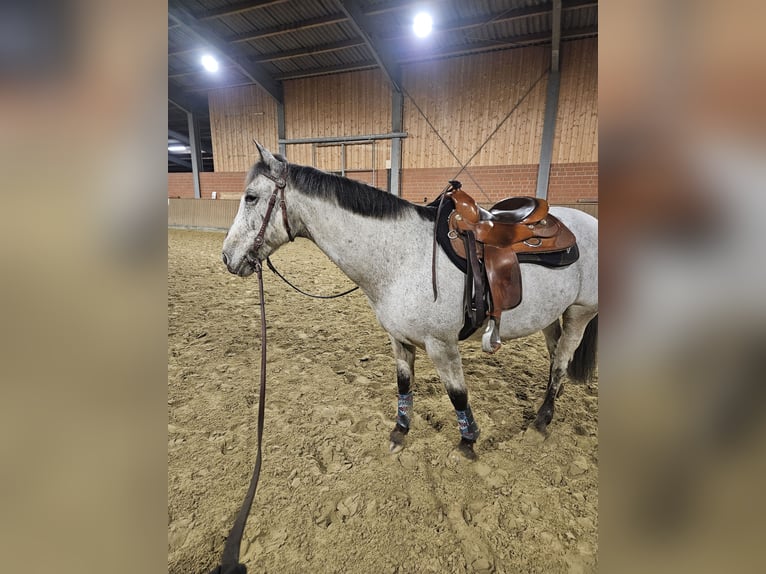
383	244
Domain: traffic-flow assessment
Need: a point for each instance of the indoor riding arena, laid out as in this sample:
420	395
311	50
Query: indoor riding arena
404	96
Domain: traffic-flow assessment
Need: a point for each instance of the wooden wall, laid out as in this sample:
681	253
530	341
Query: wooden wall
576	138
237	115
355	103
465	98
202	213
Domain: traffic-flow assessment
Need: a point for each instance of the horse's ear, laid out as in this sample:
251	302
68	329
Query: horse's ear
266	155
261	149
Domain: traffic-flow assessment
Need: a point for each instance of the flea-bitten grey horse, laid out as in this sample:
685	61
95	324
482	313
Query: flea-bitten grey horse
383	244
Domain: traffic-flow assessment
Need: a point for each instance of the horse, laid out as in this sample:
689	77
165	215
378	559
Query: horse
384	245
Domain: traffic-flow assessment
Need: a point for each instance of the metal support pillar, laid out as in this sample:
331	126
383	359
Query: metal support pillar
196	151
551	107
549	128
397	115
281	128
373	162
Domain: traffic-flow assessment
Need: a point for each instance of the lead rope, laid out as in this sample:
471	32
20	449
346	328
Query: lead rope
230	563
282	277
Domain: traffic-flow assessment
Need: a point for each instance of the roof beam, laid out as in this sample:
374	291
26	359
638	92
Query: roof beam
395	7
287	28
249	5
287	55
172	134
363	25
178	161
310	50
506	16
237	8
356	66
225	50
185	101
484	46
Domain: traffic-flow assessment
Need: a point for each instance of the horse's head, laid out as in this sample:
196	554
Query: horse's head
260	226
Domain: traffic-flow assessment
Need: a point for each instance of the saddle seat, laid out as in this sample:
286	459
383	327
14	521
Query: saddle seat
490	241
515	210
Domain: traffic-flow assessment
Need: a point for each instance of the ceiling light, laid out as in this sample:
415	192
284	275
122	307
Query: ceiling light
209	63
177	148
422	24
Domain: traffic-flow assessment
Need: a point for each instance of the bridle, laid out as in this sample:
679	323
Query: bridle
278	194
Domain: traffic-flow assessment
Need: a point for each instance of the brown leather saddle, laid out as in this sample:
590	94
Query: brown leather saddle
493	242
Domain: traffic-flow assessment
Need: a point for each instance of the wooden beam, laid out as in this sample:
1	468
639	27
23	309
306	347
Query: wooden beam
232	53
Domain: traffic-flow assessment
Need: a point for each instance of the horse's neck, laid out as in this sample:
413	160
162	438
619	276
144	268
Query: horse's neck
370	251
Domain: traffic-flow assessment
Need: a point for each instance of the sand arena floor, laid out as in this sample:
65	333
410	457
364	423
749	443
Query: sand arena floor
331	497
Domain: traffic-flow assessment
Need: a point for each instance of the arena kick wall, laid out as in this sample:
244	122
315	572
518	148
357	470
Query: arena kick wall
465	98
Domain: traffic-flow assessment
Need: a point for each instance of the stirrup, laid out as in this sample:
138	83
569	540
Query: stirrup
490	340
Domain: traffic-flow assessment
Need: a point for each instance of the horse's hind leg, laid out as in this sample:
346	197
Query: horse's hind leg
449	365
575	321
552	335
405	372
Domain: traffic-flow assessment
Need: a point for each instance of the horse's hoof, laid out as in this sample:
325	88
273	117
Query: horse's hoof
543	419
397	439
465	447
541	424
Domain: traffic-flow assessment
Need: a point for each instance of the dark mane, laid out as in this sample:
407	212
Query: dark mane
352	195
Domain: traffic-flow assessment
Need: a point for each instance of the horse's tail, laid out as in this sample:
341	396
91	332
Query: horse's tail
583	364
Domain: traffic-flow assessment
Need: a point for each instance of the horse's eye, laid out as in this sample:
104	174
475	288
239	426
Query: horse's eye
250	199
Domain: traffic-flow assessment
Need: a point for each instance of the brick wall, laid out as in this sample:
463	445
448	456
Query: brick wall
569	182
182	185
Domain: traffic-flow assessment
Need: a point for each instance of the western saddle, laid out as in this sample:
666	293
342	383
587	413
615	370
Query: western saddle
491	241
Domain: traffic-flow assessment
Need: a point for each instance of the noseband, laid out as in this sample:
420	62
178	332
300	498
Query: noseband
278	194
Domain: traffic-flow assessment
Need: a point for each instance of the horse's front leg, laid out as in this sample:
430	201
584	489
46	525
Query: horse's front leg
449	365
405	372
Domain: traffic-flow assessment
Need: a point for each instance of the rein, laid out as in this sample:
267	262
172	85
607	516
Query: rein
230	563
282	277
